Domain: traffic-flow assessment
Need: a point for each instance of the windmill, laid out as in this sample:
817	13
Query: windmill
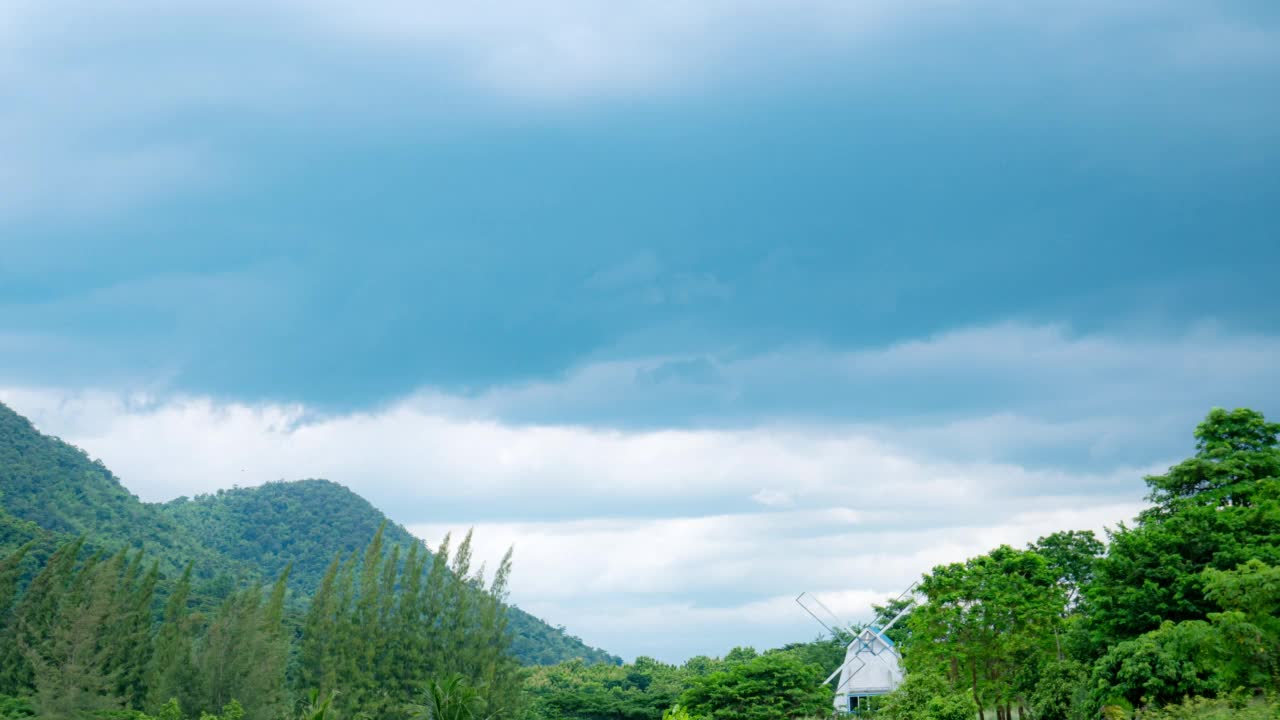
872	665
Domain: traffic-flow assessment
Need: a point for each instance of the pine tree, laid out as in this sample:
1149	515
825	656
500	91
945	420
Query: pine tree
10	570
130	638
319	630
69	660
171	675
274	654
244	652
34	616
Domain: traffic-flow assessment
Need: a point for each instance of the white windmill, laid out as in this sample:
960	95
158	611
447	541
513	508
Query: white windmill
872	665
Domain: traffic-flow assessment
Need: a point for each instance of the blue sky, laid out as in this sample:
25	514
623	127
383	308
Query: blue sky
727	288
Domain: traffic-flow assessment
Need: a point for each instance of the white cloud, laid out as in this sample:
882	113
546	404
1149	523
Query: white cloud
675	541
666	542
628	584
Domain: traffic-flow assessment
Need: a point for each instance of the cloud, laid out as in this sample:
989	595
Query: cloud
635	536
632	538
110	108
673	588
1011	390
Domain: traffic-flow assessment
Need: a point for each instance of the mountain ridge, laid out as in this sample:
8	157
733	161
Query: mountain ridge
52	491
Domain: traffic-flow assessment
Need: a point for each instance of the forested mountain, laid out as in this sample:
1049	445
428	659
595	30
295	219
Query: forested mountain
303	524
62	494
52	491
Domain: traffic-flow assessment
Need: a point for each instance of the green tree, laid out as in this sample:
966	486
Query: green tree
985	619
1217	510
774	686
451	698
1247	635
172	673
243	654
68	657
1235	450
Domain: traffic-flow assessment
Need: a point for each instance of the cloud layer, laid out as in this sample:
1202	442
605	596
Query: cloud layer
635	538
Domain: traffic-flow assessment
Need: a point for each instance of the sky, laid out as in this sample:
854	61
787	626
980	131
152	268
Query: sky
698	304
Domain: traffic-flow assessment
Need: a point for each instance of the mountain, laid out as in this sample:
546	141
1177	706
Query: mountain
51	491
306	522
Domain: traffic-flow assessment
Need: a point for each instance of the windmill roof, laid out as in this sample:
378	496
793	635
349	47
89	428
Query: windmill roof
876	629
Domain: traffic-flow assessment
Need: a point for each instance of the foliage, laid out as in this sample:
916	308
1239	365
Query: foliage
1158	667
453	698
1200	708
639	691
1217	509
985	619
648	689
1061	690
773	686
13	708
304	524
1183	604
52	492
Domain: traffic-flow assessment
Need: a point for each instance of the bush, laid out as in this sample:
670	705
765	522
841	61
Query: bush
955	706
923	696
12	708
1060	692
1239	707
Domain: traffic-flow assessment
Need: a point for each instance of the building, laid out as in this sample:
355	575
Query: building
872	667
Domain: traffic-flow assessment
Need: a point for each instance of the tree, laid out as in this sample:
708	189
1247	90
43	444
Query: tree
1073	556
1247	639
69	658
1216	510
985	619
172	674
1158	667
451	698
1234	451
775	686
242	655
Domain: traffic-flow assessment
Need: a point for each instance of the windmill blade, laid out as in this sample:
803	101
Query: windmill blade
849	677
909	607
908	596
822	614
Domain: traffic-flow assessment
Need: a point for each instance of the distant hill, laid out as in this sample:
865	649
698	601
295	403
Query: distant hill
61	493
52	491
306	522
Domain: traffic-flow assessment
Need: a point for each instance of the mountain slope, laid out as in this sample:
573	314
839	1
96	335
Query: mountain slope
52	491
53	486
307	521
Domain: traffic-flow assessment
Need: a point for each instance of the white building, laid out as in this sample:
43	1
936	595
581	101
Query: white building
872	667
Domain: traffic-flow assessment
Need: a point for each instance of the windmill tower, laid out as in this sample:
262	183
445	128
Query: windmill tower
872	665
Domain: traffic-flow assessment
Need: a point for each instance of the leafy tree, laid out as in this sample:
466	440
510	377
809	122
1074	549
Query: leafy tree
451	698
1216	510
1235	450
1072	555
984	620
1158	667
774	686
1248	630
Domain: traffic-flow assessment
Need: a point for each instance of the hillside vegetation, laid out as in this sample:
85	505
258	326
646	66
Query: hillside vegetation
53	492
1173	617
